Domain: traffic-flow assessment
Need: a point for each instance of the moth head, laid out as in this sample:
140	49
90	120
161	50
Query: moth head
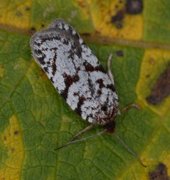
110	126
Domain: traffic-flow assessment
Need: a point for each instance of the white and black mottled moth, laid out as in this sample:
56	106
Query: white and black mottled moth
76	73
78	76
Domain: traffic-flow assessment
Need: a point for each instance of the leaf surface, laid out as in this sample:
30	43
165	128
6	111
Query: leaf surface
34	119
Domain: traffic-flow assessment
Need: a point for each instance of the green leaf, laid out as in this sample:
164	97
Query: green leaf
34	119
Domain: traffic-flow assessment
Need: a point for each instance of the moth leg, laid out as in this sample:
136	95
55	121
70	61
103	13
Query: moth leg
130	106
109	64
91	126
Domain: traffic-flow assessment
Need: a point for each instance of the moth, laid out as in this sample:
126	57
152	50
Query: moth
76	73
78	76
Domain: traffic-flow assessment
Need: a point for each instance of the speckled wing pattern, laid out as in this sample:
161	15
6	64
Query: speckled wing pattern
75	72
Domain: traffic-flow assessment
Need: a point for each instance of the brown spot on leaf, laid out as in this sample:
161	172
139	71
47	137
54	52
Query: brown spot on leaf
147	75
5	138
119	53
118	18
134	7
16	132
86	34
27	8
160	173
32	30
12	150
161	88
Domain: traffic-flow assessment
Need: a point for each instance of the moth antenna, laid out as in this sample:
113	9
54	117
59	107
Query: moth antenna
109	64
81	140
130	106
133	153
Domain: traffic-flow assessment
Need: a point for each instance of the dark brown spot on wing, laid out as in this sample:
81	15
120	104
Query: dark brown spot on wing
110	86
54	68
80	103
46	69
69	80
100	81
90	68
91	87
